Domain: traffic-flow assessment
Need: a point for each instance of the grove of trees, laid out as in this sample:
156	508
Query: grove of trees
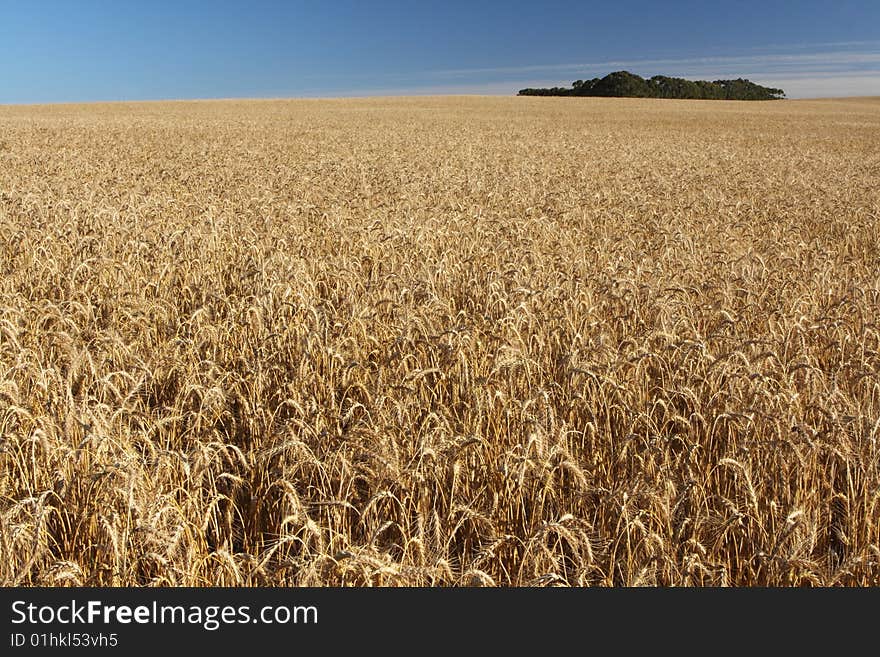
624	83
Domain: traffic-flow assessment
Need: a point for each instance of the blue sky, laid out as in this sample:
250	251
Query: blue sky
89	50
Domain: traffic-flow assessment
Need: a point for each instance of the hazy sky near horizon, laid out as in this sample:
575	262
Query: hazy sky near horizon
92	50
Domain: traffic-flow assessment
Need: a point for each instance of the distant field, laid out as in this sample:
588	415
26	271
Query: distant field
440	341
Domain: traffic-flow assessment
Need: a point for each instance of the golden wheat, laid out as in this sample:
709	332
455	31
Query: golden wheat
440	341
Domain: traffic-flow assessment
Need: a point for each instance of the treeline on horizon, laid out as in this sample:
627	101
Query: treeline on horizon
626	84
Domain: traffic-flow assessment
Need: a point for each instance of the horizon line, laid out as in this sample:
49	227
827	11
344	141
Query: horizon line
380	96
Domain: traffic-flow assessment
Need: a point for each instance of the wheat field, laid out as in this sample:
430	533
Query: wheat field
460	341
